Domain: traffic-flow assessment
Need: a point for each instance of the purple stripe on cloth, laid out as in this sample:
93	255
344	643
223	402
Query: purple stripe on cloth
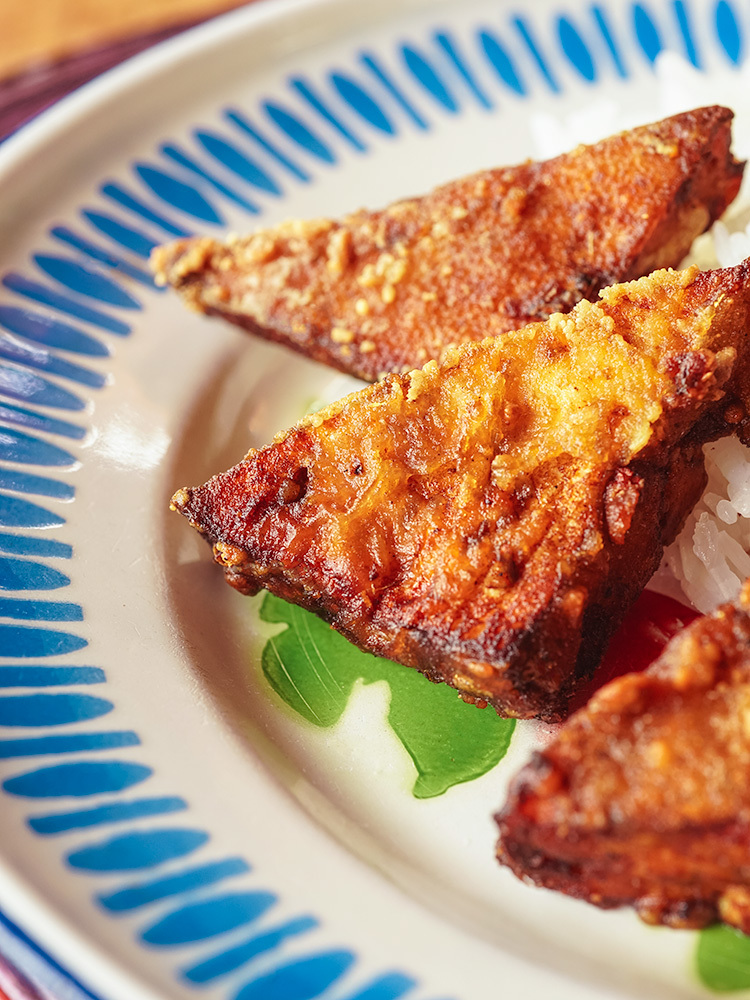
28	93
14	985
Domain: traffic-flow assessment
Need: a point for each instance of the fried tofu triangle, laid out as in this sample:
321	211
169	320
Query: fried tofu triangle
643	797
387	291
489	520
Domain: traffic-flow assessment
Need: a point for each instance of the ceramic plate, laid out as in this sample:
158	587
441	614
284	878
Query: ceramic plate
204	794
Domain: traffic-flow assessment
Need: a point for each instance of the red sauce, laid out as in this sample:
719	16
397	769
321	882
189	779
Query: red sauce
648	627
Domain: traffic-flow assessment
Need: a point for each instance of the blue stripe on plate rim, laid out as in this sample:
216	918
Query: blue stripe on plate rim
38	966
60	313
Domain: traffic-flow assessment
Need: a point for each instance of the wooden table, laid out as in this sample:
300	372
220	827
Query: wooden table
50	47
37	32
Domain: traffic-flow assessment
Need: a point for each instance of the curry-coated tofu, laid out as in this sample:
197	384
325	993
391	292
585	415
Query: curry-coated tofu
643	797
490	519
387	291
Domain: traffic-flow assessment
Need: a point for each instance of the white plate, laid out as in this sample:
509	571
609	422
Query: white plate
171	827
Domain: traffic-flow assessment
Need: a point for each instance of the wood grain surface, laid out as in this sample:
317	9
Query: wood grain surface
37	32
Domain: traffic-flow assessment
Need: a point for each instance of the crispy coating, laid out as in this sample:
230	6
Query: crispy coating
489	520
643	797
387	291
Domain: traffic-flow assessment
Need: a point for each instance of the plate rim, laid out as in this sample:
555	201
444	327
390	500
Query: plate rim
37	134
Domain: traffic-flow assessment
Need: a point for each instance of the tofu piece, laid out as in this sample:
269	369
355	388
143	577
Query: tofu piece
643	797
387	291
490	519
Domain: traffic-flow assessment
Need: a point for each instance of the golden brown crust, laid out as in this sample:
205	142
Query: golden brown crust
642	797
490	519
386	291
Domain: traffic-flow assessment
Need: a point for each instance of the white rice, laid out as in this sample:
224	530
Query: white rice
711	556
710	559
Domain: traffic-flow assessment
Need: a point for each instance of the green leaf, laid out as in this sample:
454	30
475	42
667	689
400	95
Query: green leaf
304	667
723	959
313	669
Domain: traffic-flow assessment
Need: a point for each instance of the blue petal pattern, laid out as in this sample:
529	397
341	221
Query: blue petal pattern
683	20
101	256
449	45
27	545
425	73
179	156
22	642
213	968
51	709
18	383
370	61
47	330
23	574
498	56
17	446
177	193
646	32
387	987
115	812
301	979
121	196
208	918
602	23
33	676
527	35
10	414
241	122
25	482
46	296
728	32
360	101
92	284
305	89
575	49
238	162
43	746
298	132
18	513
136	896
79	780
40	611
138	850
36	357
131	239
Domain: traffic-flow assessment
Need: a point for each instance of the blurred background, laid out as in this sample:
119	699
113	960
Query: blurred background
50	47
